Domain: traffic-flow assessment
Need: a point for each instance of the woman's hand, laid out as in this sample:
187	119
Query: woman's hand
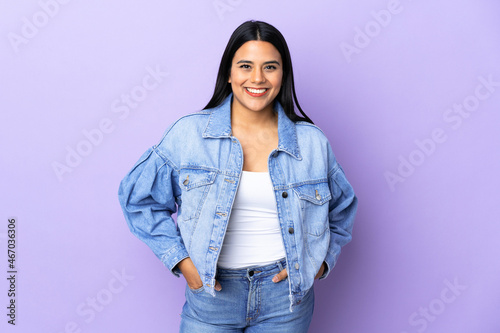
192	276
280	276
283	274
321	271
190	273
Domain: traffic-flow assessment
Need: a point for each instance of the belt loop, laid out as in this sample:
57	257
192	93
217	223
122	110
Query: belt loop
281	264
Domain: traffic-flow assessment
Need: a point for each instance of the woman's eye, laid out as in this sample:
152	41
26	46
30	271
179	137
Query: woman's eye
270	67
245	66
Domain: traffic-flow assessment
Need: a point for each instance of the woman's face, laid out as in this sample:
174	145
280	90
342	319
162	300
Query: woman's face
256	75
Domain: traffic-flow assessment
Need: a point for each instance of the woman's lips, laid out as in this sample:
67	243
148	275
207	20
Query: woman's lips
256	92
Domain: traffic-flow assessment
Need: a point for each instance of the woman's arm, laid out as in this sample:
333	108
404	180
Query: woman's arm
147	196
342	210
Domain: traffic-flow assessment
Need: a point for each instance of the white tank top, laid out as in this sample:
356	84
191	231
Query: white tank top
253	235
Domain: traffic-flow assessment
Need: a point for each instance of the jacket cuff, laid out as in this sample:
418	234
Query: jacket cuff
173	257
330	261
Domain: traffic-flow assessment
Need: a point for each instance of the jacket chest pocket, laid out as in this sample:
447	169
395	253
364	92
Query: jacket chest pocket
313	199
195	185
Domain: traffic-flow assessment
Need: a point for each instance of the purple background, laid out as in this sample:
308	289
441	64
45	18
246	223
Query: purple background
412	241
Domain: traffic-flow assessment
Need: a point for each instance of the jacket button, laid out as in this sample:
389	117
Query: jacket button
318	197
275	154
297	266
284	194
290	230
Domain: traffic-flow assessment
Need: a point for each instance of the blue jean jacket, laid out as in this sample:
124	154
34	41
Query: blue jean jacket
195	171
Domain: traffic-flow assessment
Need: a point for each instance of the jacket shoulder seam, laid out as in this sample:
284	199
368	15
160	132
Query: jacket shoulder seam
197	113
162	156
166	161
306	124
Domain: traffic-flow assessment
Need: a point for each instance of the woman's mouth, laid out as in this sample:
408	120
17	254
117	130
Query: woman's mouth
256	92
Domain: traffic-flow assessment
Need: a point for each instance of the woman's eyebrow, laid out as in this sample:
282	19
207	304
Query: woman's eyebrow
265	63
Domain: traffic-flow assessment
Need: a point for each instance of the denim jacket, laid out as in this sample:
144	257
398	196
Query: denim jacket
195	170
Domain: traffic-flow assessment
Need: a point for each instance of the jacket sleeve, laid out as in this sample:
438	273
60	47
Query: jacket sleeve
342	210
147	196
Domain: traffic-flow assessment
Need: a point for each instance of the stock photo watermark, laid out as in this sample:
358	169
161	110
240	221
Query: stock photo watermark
421	318
120	108
31	26
89	309
12	269
454	118
371	30
224	6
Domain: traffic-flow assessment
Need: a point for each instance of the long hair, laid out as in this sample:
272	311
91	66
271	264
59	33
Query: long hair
257	30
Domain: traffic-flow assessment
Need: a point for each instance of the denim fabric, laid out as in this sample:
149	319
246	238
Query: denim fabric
248	302
195	171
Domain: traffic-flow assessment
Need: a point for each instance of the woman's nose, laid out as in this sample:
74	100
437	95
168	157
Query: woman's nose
257	76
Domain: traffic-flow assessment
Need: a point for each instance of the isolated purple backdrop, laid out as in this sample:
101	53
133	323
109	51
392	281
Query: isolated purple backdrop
381	78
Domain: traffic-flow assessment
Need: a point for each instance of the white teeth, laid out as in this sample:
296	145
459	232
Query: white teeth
256	91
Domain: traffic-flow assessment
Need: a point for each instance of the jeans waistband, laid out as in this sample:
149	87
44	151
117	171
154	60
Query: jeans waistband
250	271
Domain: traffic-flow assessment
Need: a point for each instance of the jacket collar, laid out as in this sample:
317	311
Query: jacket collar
219	126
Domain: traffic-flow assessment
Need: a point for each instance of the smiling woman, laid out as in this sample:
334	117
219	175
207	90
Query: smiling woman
253	74
263	206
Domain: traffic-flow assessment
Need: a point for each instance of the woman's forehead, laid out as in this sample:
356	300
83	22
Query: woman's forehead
256	50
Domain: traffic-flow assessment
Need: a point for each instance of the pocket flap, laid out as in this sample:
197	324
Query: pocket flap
317	193
192	178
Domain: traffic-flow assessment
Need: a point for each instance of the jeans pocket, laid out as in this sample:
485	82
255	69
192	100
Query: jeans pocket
197	291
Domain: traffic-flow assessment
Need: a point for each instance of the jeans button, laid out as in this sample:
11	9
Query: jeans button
290	230
250	273
284	194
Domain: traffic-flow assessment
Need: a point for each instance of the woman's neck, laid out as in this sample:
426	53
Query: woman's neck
248	119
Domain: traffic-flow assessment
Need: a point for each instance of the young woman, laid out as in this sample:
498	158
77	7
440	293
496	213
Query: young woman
263	207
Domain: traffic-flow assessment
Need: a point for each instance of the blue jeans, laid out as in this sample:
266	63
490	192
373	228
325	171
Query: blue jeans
248	302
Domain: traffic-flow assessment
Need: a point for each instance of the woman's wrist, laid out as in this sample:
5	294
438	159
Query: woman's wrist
190	273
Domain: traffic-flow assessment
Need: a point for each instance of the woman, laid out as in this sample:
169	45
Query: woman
263	207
